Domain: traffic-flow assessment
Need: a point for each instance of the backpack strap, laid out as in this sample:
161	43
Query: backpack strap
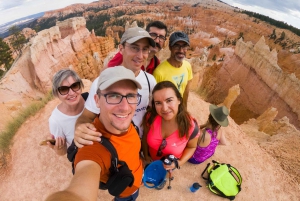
114	155
71	153
147	81
136	127
85	95
115	168
202	175
195	131
217	192
235	173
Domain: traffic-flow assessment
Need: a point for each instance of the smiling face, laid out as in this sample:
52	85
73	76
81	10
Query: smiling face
117	118
135	54
166	103
73	97
178	51
158	42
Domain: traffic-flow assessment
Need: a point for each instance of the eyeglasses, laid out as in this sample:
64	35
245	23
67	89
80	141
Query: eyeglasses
178	47
154	36
64	90
161	147
136	49
114	98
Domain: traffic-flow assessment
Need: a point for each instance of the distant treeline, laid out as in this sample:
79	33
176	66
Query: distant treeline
97	21
271	21
46	23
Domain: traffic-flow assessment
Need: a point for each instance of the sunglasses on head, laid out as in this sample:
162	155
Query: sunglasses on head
161	147
64	90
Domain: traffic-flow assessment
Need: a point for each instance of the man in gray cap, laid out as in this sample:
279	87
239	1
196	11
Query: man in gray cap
158	32
134	47
117	97
175	69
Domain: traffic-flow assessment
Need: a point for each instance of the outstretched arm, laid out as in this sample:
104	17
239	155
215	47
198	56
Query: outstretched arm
84	184
85	132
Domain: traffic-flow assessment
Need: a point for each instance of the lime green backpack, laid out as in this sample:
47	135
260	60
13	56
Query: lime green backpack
223	179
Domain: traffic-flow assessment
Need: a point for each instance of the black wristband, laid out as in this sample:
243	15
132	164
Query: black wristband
176	164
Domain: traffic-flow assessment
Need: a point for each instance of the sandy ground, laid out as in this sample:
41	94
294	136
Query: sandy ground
34	172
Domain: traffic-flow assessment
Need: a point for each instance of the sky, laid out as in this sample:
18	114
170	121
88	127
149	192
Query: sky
283	10
14	9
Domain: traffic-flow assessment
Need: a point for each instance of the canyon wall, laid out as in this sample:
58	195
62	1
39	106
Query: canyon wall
263	83
69	44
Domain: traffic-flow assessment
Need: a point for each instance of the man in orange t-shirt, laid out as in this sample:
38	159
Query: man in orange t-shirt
117	99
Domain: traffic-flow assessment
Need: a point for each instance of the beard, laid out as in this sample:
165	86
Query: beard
121	128
179	58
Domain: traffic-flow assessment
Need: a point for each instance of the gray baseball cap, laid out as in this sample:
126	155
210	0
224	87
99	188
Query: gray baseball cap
178	36
134	34
111	75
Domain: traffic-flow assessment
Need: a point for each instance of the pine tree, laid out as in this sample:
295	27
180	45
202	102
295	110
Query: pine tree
282	36
17	40
5	55
241	35
273	35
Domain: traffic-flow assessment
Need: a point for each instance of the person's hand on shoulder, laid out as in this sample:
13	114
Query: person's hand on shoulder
85	134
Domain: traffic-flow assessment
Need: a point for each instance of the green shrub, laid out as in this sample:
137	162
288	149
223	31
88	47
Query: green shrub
13	126
214	57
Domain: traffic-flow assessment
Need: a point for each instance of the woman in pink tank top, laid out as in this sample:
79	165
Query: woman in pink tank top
168	127
211	134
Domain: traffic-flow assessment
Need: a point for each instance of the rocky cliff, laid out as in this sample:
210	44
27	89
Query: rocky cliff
258	87
263	177
262	82
67	45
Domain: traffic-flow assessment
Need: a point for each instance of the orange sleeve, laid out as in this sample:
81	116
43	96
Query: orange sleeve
97	153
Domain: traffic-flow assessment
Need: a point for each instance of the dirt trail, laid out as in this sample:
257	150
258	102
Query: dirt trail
34	172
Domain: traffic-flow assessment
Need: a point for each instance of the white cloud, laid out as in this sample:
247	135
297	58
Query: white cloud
278	10
14	9
286	10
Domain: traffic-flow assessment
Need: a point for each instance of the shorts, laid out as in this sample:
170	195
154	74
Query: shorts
194	161
129	198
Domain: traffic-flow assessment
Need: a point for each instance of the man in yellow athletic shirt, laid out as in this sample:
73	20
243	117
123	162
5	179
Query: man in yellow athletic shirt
175	68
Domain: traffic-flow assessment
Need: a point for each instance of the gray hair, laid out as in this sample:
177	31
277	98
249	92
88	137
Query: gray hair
60	76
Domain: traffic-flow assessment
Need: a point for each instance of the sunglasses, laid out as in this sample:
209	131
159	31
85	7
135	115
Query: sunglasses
64	90
161	147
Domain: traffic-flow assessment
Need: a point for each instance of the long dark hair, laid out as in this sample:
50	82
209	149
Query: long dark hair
214	125
183	118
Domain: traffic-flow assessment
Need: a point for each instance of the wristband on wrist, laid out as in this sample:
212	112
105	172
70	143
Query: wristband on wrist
176	164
